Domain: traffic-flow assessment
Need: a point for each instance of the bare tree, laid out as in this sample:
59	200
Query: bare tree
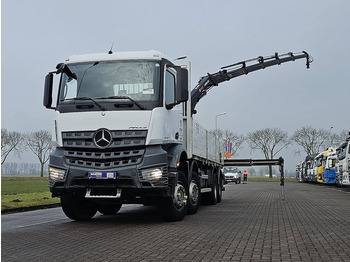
270	141
40	144
236	139
341	137
218	133
312	140
11	141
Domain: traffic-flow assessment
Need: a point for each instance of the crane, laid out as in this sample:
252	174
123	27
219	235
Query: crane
241	68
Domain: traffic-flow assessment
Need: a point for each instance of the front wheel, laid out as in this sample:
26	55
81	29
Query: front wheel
77	208
175	208
109	209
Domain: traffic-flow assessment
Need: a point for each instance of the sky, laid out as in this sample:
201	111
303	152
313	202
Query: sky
36	35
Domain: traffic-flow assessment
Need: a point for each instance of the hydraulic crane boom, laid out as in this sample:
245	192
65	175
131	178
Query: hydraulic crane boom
241	68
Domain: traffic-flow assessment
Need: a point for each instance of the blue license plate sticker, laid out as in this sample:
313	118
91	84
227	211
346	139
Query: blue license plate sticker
102	175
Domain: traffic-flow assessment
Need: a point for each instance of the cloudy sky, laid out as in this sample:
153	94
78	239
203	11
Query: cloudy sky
38	34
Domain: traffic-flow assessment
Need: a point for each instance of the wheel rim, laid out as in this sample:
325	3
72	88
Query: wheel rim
180	197
194	192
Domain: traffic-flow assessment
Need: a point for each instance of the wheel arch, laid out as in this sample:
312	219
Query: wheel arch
177	159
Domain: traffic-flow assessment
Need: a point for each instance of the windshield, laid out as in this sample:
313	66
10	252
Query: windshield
129	80
230	170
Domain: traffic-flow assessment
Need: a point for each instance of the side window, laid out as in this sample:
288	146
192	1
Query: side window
70	88
169	87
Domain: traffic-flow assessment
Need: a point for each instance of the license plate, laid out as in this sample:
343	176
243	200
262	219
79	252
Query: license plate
102	175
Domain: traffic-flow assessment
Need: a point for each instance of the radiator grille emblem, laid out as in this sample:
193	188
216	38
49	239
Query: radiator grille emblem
102	138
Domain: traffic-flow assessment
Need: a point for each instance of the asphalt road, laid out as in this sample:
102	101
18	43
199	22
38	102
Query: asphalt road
251	224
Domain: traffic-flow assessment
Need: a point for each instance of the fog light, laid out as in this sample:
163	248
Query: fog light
156	173
57	174
152	174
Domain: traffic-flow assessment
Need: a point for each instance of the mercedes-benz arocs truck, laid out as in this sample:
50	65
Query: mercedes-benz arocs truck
124	133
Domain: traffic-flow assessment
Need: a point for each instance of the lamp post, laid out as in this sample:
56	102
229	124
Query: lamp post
216	120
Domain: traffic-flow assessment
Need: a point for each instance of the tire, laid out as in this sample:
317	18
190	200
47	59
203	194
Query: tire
109	209
194	194
175	208
213	195
77	208
219	188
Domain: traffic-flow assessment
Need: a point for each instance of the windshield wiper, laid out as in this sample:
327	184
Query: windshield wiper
88	98
123	97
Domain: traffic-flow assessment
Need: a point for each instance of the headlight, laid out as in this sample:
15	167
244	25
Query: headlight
57	174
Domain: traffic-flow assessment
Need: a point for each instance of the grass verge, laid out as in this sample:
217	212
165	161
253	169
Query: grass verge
23	192
267	179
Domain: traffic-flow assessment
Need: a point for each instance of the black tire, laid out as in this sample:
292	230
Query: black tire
77	208
194	194
175	208
109	209
239	181
213	195
219	188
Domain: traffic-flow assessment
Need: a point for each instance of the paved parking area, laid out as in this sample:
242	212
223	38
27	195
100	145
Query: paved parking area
251	224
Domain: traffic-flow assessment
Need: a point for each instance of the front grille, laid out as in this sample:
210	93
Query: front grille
127	148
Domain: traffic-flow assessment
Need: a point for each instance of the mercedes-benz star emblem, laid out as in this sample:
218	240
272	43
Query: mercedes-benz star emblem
102	138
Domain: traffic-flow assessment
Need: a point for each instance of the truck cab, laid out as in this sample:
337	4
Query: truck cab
329	159
319	164
309	168
122	135
343	164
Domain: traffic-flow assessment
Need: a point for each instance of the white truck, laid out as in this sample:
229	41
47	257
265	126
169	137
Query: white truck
342	165
124	133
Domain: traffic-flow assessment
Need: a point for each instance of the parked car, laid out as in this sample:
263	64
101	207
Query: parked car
232	174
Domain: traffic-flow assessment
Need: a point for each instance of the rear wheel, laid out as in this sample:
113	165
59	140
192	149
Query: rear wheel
175	208
213	195
77	208
194	198
219	188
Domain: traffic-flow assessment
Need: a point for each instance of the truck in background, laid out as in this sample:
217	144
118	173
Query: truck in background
124	133
309	164
319	165
329	160
342	165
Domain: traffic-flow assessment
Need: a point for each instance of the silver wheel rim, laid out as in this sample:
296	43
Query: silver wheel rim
180	197
194	192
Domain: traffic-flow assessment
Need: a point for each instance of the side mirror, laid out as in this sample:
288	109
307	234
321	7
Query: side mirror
181	85
47	101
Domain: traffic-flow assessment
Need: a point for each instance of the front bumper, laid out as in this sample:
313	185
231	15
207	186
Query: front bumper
150	177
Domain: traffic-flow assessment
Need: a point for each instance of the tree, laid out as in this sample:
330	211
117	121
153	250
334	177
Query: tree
40	144
312	140
11	141
270	141
236	139
341	137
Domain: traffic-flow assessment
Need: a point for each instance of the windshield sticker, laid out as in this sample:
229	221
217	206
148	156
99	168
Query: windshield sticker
148	91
